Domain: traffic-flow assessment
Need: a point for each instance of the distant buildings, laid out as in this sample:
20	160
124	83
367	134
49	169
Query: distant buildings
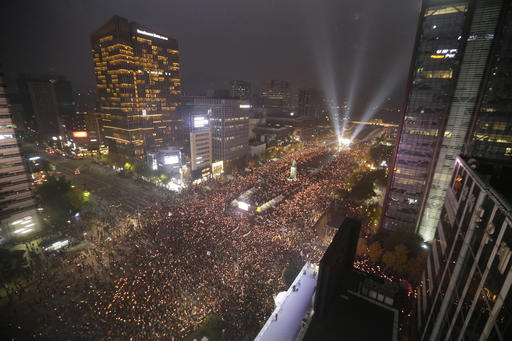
138	87
218	130
47	103
312	104
276	95
18	215
459	81
240	89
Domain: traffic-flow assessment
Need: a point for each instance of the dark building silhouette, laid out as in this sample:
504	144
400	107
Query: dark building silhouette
47	103
240	89
336	265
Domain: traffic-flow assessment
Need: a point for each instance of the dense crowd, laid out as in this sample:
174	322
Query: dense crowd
159	273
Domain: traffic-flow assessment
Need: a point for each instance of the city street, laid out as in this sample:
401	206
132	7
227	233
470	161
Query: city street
107	186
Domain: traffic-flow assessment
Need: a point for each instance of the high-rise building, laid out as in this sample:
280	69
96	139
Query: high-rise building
276	95
48	103
201	155
218	130
240	89
138	86
18	215
465	289
453	55
229	125
491	132
311	104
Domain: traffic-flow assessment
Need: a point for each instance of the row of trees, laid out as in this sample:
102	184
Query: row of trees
399	251
59	199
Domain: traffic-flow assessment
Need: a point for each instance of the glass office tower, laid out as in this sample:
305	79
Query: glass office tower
139	87
450	62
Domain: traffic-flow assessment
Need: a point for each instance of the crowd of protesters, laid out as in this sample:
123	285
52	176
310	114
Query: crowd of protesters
160	272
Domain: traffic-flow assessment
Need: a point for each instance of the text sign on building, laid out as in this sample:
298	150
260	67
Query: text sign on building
151	34
79	134
171	159
200	122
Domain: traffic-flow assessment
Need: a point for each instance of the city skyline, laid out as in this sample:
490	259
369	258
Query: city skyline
244	41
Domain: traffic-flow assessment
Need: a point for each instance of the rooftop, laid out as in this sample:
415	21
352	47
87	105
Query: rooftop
353	318
495	174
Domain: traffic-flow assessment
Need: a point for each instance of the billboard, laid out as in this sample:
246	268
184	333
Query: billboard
171	159
199	122
79	134
217	168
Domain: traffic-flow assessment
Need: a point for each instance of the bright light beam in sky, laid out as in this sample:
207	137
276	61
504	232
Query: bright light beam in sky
392	81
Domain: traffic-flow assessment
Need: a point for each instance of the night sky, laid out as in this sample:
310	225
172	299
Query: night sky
312	43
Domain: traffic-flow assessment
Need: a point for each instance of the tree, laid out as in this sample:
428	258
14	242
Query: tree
388	258
374	212
378	153
362	247
415	267
363	189
210	328
59	198
375	252
11	262
290	272
401	258
411	240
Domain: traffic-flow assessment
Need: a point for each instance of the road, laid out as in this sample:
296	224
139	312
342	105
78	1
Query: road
108	186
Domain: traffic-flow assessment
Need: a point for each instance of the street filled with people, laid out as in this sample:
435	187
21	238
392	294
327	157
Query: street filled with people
158	273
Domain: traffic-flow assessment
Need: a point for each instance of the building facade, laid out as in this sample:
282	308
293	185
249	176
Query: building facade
454	43
240	89
465	291
18	215
48	103
276	95
311	104
491	133
138	87
229	122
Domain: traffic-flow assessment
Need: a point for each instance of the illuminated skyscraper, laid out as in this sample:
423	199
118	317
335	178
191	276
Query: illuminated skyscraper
139	87
18	215
452	61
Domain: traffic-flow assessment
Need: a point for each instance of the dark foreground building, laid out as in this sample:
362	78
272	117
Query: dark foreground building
459	80
347	301
465	292
336	265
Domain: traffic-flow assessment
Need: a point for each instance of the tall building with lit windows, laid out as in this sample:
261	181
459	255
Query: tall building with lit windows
18	215
139	86
453	60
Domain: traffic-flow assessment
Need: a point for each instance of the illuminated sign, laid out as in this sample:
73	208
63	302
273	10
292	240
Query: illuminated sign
144	112
243	206
200	122
444	53
245	106
217	168
79	134
151	34
171	159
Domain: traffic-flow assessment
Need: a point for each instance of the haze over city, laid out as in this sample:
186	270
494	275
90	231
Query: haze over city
256	170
